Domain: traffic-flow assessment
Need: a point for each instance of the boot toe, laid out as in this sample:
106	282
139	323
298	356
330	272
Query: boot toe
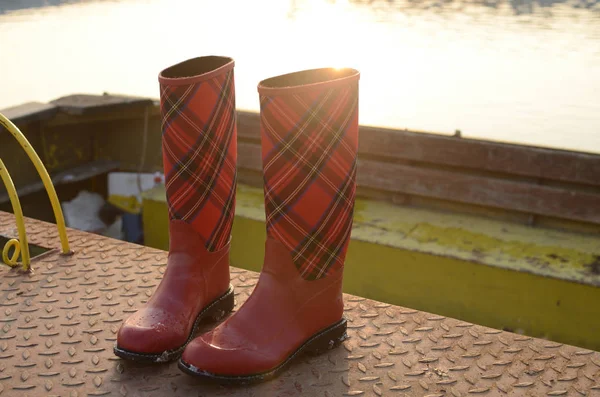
202	356
158	336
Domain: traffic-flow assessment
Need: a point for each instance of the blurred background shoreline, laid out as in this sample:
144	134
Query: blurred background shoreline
514	71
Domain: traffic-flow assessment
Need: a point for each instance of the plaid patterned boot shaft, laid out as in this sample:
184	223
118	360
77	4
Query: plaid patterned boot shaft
309	127
199	142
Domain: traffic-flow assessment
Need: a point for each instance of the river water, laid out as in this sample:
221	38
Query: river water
525	71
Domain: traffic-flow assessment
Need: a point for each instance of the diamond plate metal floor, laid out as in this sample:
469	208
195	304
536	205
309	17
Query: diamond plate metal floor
58	327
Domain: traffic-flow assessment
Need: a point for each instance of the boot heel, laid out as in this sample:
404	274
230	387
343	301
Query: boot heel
328	339
222	307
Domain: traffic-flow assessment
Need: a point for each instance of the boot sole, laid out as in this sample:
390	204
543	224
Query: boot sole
319	343
215	311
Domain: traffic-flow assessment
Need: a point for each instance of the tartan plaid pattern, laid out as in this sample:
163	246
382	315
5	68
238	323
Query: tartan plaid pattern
199	141
309	150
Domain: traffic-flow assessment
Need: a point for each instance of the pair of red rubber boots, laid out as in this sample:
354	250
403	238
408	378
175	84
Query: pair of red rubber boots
309	135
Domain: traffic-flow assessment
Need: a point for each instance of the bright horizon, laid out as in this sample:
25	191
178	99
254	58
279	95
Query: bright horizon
530	78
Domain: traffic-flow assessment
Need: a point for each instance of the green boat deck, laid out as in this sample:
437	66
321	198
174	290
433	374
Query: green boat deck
59	325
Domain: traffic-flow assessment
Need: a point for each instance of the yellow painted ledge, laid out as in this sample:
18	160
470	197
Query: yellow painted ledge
539	282
567	256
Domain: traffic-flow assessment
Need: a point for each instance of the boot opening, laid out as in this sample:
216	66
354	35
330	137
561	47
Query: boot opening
305	77
195	67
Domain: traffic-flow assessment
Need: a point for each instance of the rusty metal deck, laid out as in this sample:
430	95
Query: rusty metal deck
58	327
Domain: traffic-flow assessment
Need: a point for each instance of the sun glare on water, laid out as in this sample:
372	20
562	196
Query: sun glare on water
425	65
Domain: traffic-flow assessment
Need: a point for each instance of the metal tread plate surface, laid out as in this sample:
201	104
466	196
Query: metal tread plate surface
59	324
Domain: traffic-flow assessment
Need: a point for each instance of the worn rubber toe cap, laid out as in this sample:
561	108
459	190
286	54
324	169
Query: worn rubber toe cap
215	359
151	331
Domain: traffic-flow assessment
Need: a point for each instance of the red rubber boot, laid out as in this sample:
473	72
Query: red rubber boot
199	154
309	124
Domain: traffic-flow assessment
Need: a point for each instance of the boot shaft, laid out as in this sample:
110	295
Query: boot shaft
309	127
199	141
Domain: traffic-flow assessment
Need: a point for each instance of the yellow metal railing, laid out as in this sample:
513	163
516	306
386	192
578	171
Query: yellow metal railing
20	246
